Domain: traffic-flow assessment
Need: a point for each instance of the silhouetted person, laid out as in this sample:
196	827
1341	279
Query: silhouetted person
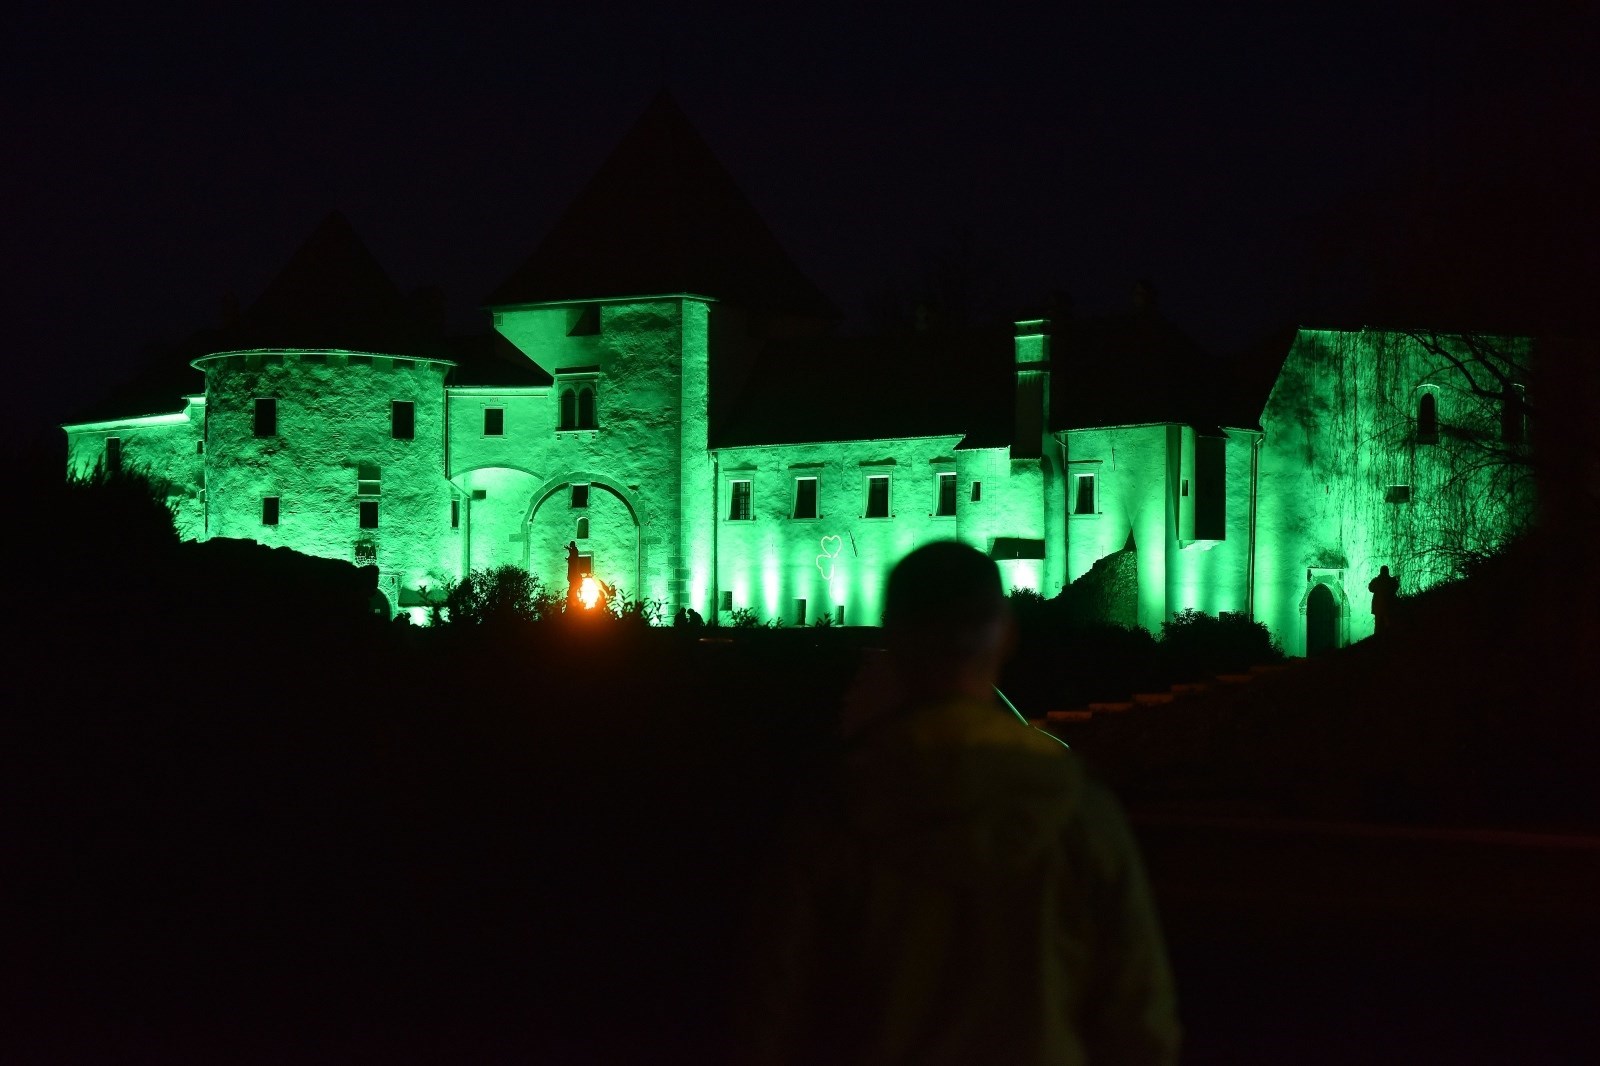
574	572
1384	589
957	890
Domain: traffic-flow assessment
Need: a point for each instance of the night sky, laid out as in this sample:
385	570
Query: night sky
1254	162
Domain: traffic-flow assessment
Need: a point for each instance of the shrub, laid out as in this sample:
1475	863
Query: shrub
1195	644
502	596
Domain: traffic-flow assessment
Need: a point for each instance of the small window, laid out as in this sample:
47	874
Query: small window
1398	494
799	612
805	497
494	421
199	447
946	495
113	455
455	514
877	496
480	494
266	420
725	599
1083	496
977	491
586	419
403	419
739	509
368	481
1186	488
569	409
583	529
369	514
580	496
269	510
1427	419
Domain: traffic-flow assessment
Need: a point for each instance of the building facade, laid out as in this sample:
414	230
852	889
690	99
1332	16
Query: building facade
652	403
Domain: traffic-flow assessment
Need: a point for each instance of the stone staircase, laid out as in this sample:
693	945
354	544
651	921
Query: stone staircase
1177	694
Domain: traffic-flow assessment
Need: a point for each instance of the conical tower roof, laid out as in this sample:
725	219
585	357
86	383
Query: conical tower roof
662	215
331	294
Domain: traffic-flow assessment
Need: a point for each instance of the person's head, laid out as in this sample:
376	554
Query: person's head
946	620
1383	571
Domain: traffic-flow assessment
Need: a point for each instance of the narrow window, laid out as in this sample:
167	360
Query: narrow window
266	421
739	510
1398	494
113	455
569	409
368	482
583	529
403	419
1427	419
455	514
199	447
1185	488
877	496
977	491
946	495
799	612
805	497
586	409
1083	497
494	421
580	496
725	599
480	494
269	510
369	514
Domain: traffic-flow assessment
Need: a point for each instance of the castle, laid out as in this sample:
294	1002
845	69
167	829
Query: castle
664	390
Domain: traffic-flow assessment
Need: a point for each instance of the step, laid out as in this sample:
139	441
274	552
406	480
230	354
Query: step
1147	699
1112	707
1069	716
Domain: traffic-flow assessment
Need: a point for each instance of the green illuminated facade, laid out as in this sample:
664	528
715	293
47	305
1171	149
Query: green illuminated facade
639	422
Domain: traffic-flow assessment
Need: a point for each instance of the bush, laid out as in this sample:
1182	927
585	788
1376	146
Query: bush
1195	644
503	596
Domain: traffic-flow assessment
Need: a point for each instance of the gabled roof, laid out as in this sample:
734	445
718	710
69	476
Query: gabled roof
912	384
662	215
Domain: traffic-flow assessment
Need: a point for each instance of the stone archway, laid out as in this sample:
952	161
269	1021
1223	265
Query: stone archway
1322	620
603	522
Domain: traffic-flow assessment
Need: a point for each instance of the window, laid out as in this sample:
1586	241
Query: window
799	612
494	421
569	409
403	419
739	509
266	421
199	447
977	491
1083	495
945	498
480	494
586	409
367	480
579	498
269	510
583	529
113	454
725	599
1398	494
369	514
805	497
1428	419
455	514
1185	488
877	496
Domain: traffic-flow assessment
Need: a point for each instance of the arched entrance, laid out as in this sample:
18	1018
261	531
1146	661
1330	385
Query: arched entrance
1322	621
596	515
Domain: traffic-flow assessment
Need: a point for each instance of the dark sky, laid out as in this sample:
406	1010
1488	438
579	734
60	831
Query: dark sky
1242	157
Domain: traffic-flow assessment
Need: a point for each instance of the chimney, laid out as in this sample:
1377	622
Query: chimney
1033	388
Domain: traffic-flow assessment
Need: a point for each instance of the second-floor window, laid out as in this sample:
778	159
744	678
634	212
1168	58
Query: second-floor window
877	496
403	419
266	416
739	506
494	421
1083	496
944	495
805	497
